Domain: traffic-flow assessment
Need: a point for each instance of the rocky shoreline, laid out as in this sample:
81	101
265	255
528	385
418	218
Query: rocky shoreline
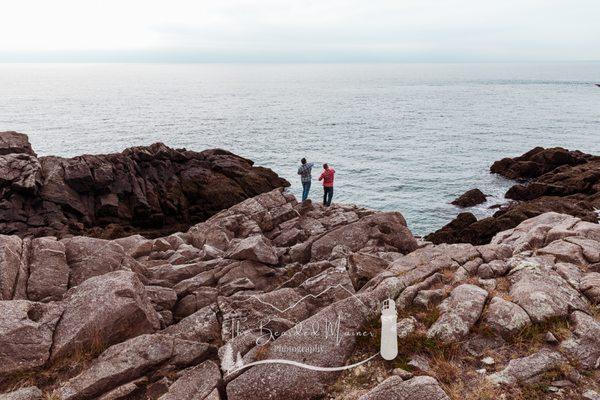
182	316
153	190
549	180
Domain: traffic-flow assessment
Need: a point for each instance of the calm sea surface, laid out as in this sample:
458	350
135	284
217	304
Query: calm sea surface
406	137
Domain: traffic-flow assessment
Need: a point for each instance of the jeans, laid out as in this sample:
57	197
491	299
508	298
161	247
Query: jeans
327	195
305	190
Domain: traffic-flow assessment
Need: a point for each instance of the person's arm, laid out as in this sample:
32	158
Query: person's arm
321	177
299	170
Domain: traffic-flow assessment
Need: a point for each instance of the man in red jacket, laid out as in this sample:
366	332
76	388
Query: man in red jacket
327	178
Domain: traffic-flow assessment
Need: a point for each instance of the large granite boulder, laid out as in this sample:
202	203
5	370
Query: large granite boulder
26	334
460	311
383	229
584	346
104	310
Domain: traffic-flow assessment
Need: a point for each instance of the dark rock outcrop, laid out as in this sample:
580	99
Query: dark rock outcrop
537	162
470	198
154	190
559	180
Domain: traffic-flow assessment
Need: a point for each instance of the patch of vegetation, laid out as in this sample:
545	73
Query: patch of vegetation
532	337
47	376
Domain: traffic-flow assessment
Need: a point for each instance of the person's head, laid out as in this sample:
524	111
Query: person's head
325	166
303	161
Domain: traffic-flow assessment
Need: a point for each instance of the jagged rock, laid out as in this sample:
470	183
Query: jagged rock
27	393
381	229
15	143
364	267
48	270
153	189
528	368
418	388
161	297
136	245
589	285
565	251
194	301
470	198
89	257
584	346
460	311
197	383
26	334
129	360
537	162
202	326
427	298
109	308
506	317
542	293
328	287
254	248
21	173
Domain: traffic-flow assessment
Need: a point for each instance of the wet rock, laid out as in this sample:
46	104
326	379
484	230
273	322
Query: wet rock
197	383
129	360
470	198
95	311
584	346
26	334
418	388
528	368
537	162
460	311
506	317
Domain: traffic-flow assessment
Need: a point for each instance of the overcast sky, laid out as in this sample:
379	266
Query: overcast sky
279	30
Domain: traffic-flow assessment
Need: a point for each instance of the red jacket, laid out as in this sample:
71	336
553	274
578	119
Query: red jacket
327	177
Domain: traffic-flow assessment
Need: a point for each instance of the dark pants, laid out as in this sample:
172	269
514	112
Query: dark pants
305	190
327	195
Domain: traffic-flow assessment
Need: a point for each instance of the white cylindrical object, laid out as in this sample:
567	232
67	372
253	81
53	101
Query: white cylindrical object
389	335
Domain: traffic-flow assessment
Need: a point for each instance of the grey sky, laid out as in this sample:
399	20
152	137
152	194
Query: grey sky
324	30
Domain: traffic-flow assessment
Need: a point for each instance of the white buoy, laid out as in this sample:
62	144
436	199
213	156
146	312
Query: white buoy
389	334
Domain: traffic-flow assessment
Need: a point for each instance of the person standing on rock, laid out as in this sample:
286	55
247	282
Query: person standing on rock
327	178
305	171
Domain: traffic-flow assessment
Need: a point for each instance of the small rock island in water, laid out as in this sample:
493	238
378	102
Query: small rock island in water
163	274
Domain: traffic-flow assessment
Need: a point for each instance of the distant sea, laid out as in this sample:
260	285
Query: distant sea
405	137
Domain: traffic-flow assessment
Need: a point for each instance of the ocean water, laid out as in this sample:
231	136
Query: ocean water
405	137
